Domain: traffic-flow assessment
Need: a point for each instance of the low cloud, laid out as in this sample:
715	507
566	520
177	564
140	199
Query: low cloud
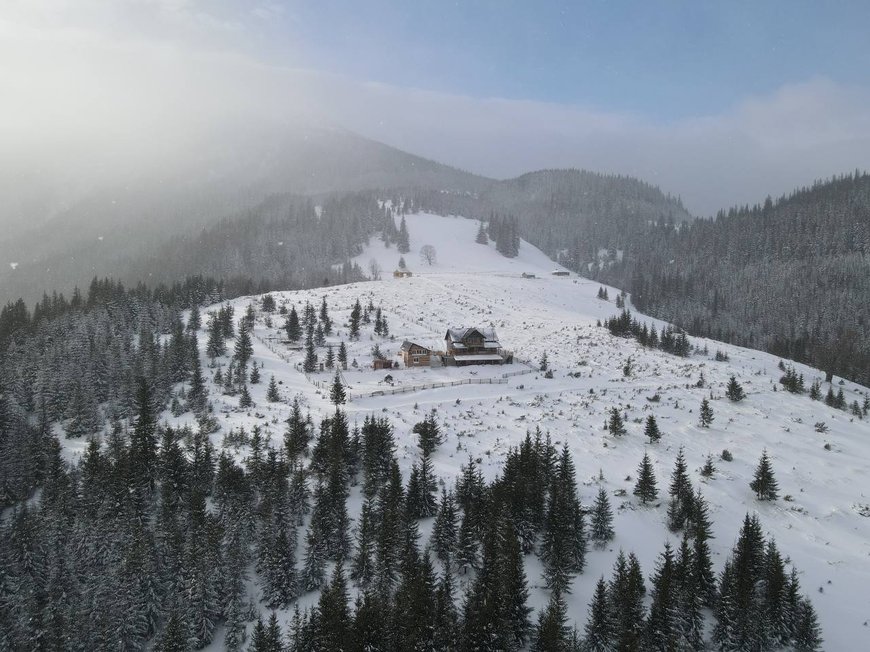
106	100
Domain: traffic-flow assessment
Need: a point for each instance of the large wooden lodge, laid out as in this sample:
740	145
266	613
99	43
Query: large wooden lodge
462	346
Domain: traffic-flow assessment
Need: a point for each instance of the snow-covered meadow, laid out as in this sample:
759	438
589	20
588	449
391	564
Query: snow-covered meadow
821	521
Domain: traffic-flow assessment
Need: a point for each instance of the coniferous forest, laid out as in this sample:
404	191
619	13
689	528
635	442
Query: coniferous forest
155	538
789	276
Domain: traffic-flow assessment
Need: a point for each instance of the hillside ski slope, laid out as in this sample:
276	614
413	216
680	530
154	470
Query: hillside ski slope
823	525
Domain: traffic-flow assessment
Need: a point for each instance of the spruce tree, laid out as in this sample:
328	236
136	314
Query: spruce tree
175	636
216	346
651	430
355	315
706	414
324	317
310	363
446	627
244	348
808	633
680	506
445	529
272	394
616	426
337	394
764	484
599	630
481	237
626	593
255	374
563	545
601	530
645	487
552	631
661	628
294	330
245	400
362	569
709	468
333	613
342	354
428	433
734	392
403	242
700	530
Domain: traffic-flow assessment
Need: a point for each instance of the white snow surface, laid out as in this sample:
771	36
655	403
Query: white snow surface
823	526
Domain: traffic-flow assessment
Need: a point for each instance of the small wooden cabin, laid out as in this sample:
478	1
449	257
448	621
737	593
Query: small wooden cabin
415	355
380	363
402	273
560	272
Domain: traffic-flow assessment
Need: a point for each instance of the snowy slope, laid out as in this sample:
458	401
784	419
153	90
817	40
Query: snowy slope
820	527
453	239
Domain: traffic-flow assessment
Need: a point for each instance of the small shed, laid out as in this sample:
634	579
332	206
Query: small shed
380	363
560	272
402	273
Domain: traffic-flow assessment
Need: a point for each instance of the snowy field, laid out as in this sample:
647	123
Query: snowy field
823	526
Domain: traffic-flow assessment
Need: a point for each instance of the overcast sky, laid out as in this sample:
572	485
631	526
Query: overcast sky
720	103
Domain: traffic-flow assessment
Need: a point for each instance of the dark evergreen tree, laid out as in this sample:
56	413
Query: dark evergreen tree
216	345
616	426
661	626
734	391
481	237
292	327
337	395
429	434
245	400
552	632
645	487
808	633
706	414
244	348
599	631
310	363
651	430
626	593
563	545
324	317
681	493
272	394
403	241
764	484
355	315
601	530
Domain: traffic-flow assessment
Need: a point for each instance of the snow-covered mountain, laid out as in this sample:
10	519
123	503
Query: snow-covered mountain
820	455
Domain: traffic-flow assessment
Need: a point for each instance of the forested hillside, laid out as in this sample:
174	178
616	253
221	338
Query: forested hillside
163	495
285	242
568	214
791	277
84	361
101	230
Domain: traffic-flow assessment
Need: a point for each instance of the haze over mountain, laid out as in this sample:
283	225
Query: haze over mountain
120	219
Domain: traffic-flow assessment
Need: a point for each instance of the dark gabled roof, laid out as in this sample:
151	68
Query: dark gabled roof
459	335
407	344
